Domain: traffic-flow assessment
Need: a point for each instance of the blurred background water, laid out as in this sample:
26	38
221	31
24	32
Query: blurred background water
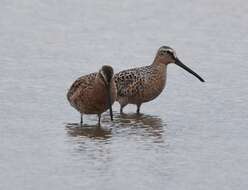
193	136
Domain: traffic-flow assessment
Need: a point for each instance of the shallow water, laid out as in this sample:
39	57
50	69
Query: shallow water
193	136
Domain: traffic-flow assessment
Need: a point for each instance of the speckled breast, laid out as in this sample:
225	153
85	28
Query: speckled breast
152	86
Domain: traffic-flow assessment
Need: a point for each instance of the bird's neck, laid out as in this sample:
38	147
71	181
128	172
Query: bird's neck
160	60
159	66
160	71
158	75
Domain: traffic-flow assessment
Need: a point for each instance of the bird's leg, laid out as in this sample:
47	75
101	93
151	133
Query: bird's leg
121	108
138	108
99	119
81	120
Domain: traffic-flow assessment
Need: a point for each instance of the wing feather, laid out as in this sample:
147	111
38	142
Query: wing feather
81	84
129	82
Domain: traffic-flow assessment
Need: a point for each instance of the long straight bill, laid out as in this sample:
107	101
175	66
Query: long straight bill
180	64
110	102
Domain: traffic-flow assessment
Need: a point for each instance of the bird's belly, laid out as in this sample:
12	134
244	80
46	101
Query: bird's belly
91	102
147	96
149	92
93	109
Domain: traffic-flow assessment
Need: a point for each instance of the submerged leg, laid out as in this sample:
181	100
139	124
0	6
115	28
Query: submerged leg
99	119
81	120
121	108
138	108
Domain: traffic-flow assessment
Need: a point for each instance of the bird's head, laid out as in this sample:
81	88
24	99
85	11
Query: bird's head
106	73
166	55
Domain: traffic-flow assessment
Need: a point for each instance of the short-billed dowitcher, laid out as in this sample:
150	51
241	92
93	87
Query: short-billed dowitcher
93	93
143	84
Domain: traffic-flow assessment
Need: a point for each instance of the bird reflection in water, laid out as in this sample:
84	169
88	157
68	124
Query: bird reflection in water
142	125
91	131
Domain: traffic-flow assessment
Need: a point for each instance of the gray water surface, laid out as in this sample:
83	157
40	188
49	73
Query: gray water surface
193	136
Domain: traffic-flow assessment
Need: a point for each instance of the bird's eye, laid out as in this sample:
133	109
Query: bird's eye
162	52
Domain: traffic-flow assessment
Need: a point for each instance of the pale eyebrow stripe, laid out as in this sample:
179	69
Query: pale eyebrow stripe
170	50
166	49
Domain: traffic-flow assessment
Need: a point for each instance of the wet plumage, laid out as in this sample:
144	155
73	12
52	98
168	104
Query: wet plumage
93	93
143	84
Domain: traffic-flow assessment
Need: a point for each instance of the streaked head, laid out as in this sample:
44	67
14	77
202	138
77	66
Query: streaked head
107	73
166	55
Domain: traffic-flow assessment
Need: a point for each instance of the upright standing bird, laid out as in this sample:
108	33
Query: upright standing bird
143	84
93	93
